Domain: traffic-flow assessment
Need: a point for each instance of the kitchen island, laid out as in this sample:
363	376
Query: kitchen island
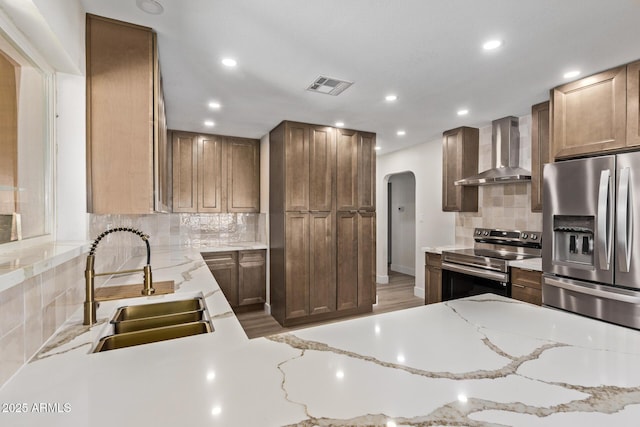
478	361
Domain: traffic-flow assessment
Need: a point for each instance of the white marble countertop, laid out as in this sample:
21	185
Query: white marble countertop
439	249
481	361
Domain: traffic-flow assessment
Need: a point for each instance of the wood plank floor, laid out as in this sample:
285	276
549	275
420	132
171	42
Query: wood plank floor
396	295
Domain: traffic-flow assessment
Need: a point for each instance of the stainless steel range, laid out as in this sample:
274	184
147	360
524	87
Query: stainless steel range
485	267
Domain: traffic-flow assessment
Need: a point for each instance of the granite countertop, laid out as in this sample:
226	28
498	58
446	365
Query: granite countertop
479	361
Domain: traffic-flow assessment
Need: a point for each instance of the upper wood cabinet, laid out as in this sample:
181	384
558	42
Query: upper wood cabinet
590	114
540	150
356	170
633	103
125	120
459	160
215	174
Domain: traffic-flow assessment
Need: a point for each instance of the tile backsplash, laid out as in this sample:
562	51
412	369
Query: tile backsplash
506	206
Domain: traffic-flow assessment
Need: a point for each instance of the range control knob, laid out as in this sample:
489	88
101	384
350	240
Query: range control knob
525	236
486	233
534	236
478	232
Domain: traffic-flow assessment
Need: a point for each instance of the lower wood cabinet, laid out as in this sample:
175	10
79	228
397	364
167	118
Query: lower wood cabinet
526	285
241	275
433	278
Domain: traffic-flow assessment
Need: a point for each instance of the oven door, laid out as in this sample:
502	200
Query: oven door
459	281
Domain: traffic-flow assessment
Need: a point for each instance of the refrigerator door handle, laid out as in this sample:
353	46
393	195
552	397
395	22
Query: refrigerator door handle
624	221
604	238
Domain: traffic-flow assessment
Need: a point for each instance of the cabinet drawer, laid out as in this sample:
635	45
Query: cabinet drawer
252	256
529	278
219	258
434	260
526	294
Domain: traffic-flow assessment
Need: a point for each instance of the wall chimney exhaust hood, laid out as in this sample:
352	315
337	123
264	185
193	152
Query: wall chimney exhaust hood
505	156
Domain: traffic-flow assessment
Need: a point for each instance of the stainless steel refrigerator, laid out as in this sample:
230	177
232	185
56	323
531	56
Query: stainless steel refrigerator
591	254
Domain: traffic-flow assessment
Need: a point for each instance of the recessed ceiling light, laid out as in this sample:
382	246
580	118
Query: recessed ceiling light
214	105
492	44
401	133
463	112
150	6
229	62
339	124
571	74
209	123
391	98
377	148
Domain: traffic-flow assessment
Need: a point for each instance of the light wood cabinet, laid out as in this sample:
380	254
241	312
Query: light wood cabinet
241	276
526	285
433	278
125	122
215	174
322	256
633	104
459	160
540	150
590	114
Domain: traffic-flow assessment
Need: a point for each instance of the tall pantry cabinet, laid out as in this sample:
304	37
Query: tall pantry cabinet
322	182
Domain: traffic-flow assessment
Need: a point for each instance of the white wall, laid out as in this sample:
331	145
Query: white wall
433	227
403	223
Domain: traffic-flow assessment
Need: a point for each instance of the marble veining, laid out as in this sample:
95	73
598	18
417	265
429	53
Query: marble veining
479	361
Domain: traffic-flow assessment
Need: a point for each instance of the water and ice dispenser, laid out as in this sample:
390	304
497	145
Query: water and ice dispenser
573	240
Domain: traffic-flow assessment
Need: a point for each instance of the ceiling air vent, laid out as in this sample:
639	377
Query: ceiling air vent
329	86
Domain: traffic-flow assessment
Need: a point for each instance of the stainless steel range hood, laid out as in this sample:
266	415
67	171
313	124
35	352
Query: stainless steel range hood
505	156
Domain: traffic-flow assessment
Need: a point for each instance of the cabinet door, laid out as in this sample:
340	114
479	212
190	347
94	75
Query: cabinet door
589	115
211	170
322	270
185	172
433	278
322	168
296	167
296	265
633	104
540	140
459	160
366	171
8	136
224	267
120	117
243	171
252	285
366	258
347	170
347	260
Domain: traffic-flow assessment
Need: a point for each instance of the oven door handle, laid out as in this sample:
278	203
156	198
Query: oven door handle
478	272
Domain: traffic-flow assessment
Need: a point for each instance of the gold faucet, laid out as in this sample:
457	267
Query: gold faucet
90	303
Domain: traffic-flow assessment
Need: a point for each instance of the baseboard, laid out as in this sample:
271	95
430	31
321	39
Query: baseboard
402	269
419	292
383	280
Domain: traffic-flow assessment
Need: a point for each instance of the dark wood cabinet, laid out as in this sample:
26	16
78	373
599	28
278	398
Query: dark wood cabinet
540	150
241	276
322	240
589	115
215	174
224	267
252	277
433	278
125	119
526	285
459	160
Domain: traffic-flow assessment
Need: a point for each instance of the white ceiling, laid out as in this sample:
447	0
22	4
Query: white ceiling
428	52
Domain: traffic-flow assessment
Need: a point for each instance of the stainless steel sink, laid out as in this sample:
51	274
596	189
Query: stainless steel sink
137	317
148	323
147	336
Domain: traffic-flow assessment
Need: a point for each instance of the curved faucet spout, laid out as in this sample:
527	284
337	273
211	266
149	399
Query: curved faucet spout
90	303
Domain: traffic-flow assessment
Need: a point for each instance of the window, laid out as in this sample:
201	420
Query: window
25	144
